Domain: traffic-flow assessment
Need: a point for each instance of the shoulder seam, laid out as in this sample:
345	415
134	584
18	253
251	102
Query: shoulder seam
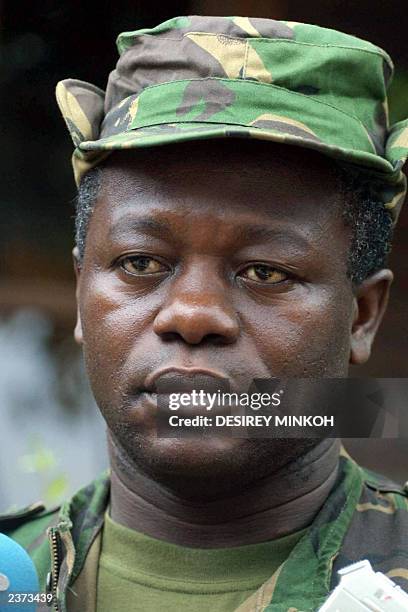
33	512
385	487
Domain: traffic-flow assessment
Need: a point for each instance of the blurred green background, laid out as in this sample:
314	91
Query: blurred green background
51	437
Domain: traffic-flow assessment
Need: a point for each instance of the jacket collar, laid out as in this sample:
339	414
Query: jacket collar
80	522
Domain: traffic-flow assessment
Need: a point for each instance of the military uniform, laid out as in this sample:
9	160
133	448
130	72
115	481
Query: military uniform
233	77
364	517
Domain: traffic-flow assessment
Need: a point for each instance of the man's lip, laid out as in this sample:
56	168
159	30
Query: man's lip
182	374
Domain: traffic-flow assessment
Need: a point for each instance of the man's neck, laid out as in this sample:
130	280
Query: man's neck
275	506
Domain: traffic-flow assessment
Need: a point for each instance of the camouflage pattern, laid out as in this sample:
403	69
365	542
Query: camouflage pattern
215	77
364	517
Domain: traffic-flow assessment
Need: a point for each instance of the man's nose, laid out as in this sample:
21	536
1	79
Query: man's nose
199	308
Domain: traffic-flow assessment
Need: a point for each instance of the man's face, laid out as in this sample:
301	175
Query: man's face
204	260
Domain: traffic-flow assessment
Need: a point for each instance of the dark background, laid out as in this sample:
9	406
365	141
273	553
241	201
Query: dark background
43	42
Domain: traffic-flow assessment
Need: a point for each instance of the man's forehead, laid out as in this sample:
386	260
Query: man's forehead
249	191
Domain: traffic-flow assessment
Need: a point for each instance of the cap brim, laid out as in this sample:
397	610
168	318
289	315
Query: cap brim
182	132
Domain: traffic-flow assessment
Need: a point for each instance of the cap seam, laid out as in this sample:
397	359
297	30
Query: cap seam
381	53
245	66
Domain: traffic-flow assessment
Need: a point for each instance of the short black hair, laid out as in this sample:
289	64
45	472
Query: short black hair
371	226
84	204
370	222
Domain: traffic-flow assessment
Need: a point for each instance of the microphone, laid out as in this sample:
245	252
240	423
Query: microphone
19	585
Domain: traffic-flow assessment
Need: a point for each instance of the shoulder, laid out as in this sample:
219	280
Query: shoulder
382	512
382	509
28	527
378	528
383	495
373	491
26	524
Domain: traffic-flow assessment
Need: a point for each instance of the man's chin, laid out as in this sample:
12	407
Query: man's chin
218	463
194	456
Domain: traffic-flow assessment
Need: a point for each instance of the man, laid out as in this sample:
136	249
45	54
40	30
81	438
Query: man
253	245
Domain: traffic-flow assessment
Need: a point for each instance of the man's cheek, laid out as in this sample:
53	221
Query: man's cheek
119	307
104	343
305	339
321	344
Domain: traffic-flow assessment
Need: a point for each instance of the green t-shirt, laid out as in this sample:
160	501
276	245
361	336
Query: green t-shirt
138	573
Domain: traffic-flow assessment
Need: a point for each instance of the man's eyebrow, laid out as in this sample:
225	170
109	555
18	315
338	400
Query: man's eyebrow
257	233
247	234
131	225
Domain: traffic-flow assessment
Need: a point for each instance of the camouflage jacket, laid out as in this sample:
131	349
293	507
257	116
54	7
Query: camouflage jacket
365	516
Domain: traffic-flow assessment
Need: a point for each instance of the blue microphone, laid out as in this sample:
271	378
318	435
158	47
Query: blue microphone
19	583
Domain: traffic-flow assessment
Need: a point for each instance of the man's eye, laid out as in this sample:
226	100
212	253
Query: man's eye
262	273
141	264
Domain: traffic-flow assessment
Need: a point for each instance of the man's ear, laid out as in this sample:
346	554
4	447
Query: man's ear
370	303
77	268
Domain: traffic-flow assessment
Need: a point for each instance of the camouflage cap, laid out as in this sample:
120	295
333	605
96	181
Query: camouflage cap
214	77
